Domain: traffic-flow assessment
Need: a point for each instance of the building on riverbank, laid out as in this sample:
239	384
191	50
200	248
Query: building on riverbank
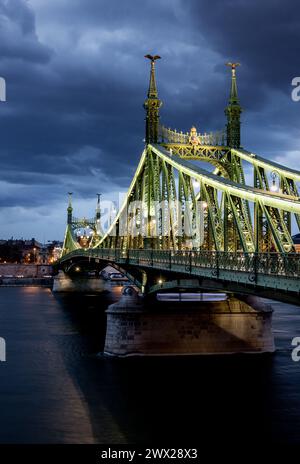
20	251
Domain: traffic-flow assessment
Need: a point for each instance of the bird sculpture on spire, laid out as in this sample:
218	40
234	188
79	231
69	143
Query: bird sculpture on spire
153	58
233	66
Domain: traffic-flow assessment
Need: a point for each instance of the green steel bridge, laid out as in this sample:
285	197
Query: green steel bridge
228	227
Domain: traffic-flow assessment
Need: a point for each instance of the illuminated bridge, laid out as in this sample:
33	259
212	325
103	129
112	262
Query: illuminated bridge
183	225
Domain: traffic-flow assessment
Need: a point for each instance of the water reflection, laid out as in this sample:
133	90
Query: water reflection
55	388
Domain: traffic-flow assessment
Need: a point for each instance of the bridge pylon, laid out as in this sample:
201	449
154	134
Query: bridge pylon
152	105
233	112
82	233
70	209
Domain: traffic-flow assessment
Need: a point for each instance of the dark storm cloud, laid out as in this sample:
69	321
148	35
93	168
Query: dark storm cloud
264	37
262	34
76	81
17	33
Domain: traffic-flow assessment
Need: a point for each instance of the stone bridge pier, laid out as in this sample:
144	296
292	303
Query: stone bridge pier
64	282
137	326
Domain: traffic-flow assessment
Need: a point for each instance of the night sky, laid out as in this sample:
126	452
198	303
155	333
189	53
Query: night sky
76	80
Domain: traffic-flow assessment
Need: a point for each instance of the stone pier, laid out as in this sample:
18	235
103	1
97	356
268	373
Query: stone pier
185	328
63	282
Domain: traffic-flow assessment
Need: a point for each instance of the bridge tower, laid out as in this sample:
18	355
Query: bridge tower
70	210
98	217
152	105
233	112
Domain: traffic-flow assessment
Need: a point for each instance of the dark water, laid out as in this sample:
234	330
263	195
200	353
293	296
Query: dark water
55	389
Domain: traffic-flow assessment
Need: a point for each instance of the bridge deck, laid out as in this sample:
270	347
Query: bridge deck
270	270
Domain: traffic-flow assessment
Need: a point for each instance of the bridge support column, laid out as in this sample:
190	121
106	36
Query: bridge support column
218	327
63	282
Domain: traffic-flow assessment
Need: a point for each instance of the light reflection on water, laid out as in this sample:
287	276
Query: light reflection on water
54	388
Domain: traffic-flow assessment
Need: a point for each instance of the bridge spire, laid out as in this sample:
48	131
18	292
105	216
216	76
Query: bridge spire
70	209
152	104
233	111
99	231
98	212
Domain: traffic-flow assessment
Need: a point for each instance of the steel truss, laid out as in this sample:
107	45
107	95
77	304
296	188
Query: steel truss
165	190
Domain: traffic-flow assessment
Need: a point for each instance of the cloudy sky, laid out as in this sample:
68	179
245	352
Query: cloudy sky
76	81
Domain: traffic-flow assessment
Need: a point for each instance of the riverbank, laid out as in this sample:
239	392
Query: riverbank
26	282
9	270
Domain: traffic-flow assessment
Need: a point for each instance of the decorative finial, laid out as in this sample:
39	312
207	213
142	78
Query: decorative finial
152	92
70	198
153	58
233	67
233	91
193	137
70	209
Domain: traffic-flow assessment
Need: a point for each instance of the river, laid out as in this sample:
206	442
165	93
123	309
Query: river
55	386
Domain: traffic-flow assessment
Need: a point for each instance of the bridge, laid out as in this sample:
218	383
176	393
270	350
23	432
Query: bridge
228	227
188	228
271	275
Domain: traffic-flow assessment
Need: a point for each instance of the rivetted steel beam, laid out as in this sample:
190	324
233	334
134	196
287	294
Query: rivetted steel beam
257	160
242	191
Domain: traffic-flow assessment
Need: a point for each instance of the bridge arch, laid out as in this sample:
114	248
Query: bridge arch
136	276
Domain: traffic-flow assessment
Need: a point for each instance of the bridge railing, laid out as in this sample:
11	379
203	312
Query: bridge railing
278	264
263	263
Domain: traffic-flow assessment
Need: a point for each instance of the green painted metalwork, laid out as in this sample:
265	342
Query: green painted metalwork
233	112
277	271
72	240
152	105
156	181
240	221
